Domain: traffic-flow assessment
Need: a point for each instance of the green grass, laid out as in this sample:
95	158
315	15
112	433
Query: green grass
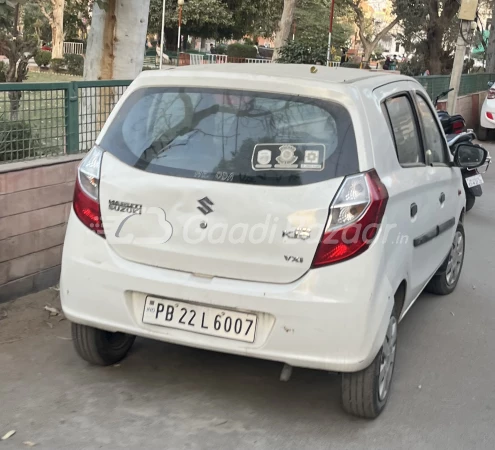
48	77
44	110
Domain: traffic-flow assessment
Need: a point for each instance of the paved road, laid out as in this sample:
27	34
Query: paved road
166	397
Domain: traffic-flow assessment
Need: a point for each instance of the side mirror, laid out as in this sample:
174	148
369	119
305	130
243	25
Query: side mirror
491	83
470	156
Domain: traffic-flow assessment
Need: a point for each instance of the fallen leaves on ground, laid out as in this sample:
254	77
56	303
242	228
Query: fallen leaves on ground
52	311
8	435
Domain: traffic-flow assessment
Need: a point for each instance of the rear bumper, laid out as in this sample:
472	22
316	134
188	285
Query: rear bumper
485	122
333	318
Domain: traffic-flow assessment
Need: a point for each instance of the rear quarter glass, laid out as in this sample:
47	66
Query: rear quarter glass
237	136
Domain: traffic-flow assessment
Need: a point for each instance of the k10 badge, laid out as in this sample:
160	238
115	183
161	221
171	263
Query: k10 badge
289	157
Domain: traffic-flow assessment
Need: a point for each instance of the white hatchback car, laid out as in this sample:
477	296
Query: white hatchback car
273	211
487	118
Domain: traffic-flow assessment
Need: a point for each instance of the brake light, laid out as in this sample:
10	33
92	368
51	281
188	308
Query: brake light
86	193
489	115
355	217
458	127
491	94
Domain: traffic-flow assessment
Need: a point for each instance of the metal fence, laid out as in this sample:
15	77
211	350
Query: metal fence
195	59
73	48
436	84
43	119
46	119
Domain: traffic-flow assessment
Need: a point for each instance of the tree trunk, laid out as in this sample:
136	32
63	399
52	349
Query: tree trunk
490	51
285	26
57	25
368	51
116	47
434	45
117	39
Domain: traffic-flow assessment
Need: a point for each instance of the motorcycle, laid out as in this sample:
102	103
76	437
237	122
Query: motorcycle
472	179
451	124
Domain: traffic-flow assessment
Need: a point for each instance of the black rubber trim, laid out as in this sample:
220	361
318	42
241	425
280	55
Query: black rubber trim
446	226
439	229
427	237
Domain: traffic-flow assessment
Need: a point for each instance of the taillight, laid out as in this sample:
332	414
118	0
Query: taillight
491	94
355	217
86	193
458	127
489	115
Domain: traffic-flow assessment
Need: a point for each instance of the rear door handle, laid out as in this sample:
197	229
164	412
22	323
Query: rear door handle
414	210
442	198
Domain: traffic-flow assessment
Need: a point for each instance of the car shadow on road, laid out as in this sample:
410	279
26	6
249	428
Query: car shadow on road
226	380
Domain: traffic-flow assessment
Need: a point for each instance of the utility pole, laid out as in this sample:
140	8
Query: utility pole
181	4
329	51
467	14
162	38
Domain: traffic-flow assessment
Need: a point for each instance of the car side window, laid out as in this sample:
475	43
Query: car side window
404	130
434	140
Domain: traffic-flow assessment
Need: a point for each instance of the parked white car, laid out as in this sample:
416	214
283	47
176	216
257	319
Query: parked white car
273	211
487	118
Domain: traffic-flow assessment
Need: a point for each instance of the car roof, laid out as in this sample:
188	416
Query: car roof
303	72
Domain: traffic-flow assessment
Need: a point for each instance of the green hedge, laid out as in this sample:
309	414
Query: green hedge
75	64
351	65
241	51
303	52
57	65
18	140
3	71
43	58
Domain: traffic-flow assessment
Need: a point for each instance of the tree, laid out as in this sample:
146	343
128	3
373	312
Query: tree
371	31
219	19
285	26
77	18
18	52
36	25
116	41
490	50
311	21
116	46
429	26
53	10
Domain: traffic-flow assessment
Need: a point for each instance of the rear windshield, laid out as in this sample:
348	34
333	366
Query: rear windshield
233	136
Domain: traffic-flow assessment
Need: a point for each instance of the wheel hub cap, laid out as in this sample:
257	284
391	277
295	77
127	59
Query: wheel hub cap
387	359
455	259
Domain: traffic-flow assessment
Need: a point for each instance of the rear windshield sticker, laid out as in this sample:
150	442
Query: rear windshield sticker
289	157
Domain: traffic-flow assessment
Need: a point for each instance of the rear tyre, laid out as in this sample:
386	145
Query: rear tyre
470	201
447	277
365	393
98	347
482	133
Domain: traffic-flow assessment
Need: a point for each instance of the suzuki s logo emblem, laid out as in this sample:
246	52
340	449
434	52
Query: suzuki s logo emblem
206	205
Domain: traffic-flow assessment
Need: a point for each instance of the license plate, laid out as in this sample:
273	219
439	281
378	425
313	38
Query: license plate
475	180
200	319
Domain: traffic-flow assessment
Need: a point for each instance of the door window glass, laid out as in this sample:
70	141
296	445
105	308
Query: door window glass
434	140
404	130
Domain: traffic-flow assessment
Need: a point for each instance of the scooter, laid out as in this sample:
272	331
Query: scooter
472	179
451	124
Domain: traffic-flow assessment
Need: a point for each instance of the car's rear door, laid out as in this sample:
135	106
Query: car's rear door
410	205
223	183
446	184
